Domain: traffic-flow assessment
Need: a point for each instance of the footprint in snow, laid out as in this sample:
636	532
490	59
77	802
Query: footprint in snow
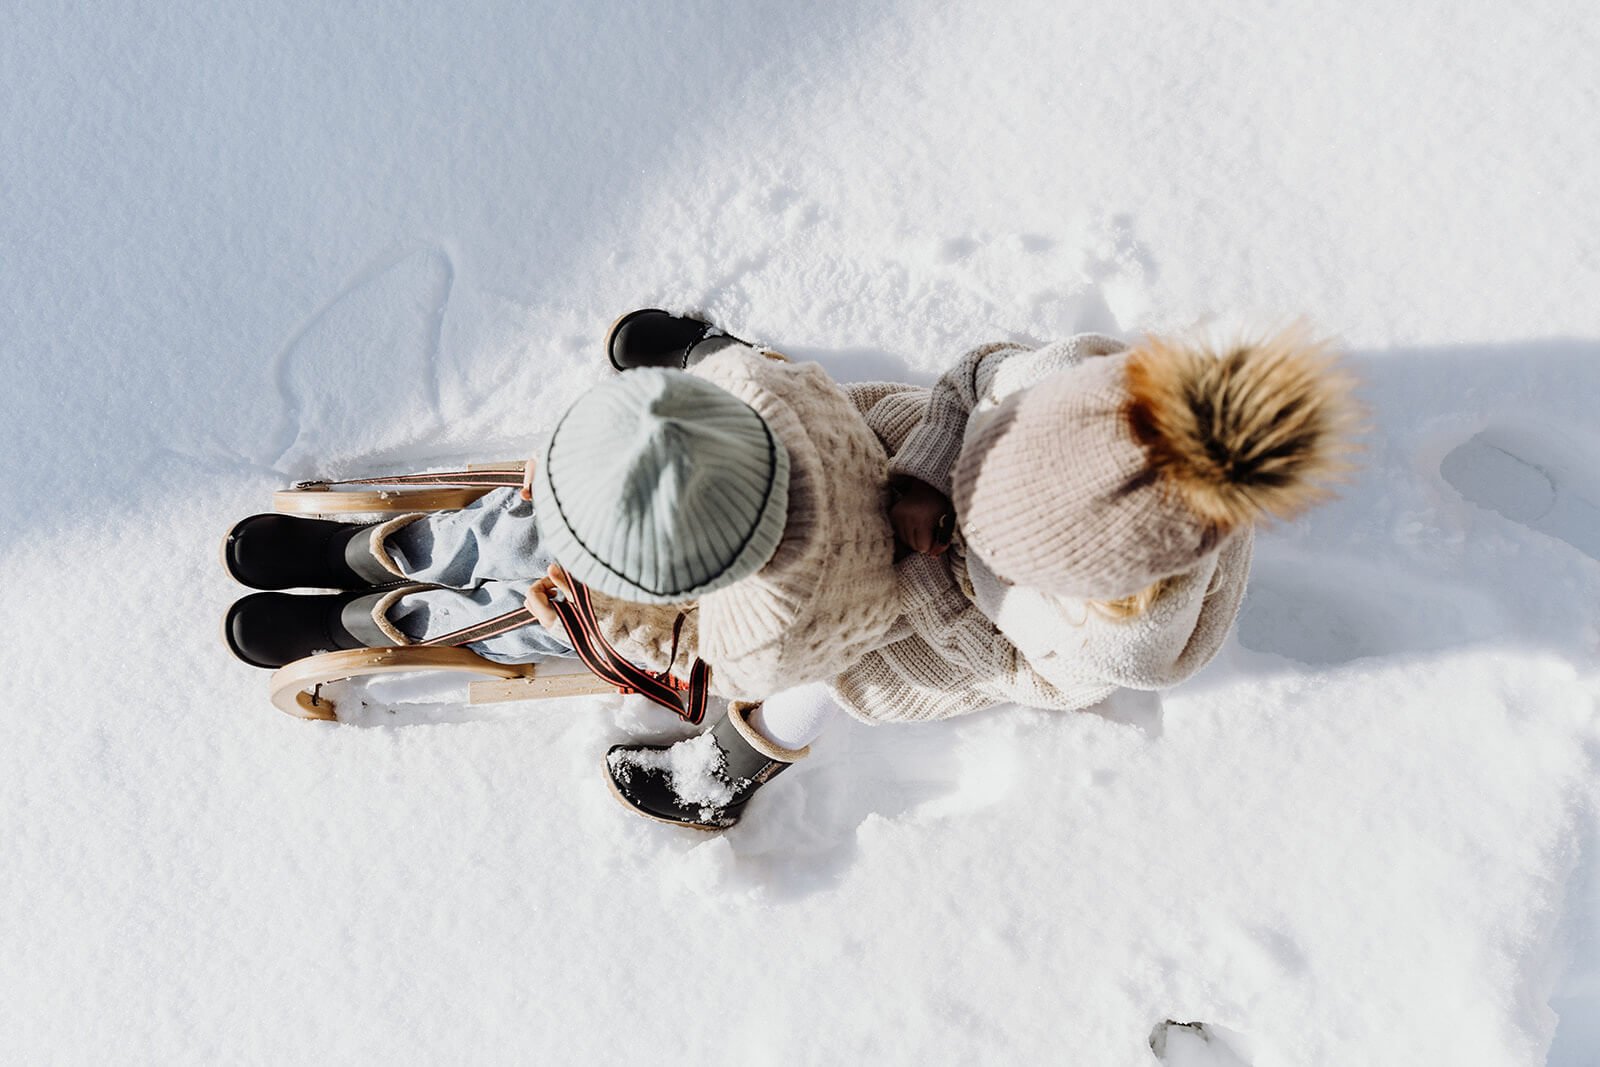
361	373
955	249
1530	480
1192	1045
1322	611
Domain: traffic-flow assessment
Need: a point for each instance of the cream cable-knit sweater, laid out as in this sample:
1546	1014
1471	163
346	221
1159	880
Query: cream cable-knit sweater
977	642
829	593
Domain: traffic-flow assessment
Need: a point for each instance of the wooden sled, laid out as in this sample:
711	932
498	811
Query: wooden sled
297	687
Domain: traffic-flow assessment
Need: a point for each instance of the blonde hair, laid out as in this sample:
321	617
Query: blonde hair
1131	607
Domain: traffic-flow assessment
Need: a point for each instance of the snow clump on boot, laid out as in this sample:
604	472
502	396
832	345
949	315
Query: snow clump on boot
696	771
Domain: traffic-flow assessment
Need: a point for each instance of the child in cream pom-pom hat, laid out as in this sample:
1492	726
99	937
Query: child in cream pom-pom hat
1103	500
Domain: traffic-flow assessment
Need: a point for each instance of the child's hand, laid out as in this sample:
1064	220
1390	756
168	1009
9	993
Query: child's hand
922	517
540	595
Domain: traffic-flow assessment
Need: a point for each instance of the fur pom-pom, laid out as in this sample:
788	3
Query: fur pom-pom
1260	429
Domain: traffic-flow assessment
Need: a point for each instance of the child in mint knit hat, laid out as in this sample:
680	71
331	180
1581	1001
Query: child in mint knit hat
715	512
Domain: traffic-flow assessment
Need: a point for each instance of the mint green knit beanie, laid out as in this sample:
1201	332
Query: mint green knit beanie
659	487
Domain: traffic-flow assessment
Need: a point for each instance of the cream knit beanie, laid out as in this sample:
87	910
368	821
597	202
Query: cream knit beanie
659	487
1129	468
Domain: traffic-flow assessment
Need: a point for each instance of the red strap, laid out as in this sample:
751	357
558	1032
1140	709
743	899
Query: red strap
583	629
603	661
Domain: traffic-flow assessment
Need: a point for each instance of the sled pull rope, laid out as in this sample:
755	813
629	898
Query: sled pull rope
603	661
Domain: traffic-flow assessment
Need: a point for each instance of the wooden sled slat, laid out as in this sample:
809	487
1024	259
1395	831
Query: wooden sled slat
540	686
319	501
325	500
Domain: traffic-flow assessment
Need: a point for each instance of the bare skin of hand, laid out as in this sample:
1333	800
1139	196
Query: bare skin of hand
527	480
539	597
923	518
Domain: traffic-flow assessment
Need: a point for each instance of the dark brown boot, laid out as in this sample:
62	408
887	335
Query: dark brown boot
703	782
291	552
650	337
273	629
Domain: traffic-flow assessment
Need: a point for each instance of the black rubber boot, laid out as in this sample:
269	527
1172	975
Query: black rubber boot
703	782
291	552
273	629
650	337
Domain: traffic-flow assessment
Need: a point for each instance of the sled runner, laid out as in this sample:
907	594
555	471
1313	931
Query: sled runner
297	687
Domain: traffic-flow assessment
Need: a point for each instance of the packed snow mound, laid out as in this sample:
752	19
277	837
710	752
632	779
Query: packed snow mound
255	243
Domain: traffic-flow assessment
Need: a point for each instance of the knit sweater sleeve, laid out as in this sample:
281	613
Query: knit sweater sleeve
985	375
827	595
953	627
931	450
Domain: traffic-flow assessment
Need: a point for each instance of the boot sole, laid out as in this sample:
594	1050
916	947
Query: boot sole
227	634
222	552
227	560
611	783
611	334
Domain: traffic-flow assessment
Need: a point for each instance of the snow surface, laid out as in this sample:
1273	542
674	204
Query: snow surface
247	243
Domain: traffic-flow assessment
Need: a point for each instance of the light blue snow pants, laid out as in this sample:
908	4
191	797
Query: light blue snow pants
487	555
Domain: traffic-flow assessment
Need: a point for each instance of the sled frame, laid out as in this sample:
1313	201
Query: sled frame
296	688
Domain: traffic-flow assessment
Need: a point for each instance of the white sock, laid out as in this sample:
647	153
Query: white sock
795	717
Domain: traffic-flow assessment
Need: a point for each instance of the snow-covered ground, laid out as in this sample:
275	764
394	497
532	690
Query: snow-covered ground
246	243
